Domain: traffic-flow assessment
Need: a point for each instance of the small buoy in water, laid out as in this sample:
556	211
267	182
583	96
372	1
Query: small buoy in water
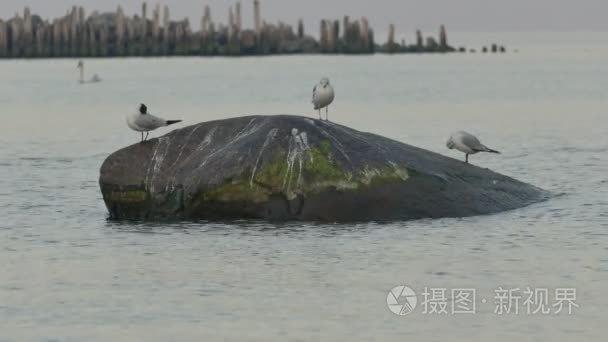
81	80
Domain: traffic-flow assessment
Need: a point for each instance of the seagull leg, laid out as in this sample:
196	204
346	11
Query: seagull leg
142	136
146	136
320	118
327	113
467	158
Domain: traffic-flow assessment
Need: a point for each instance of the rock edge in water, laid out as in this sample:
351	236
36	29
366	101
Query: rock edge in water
296	168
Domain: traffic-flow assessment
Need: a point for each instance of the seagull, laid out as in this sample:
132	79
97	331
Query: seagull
467	143
146	122
323	96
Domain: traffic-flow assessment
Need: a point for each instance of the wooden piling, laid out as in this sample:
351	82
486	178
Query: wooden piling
118	34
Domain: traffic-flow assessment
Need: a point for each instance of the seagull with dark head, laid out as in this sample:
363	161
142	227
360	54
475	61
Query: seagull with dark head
146	122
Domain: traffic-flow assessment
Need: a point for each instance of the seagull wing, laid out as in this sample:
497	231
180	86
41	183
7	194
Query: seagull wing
472	142
151	122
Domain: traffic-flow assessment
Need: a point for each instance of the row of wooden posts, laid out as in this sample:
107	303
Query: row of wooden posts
116	34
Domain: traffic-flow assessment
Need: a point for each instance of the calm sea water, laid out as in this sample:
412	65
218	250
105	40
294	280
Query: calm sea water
69	274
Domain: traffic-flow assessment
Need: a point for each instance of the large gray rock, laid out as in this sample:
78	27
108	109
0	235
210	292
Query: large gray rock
296	168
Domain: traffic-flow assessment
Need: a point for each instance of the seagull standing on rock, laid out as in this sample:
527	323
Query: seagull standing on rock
146	122
468	144
322	96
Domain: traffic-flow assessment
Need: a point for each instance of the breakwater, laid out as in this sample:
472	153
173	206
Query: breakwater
115	34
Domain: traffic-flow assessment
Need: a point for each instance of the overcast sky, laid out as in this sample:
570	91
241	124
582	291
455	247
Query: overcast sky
462	15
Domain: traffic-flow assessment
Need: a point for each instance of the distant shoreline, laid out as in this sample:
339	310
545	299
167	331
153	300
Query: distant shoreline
111	35
227	56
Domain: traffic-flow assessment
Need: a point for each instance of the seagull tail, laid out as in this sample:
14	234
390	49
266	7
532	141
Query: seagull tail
171	122
491	150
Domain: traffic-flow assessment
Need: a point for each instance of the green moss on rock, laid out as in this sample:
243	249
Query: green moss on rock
322	164
236	191
272	175
312	171
129	196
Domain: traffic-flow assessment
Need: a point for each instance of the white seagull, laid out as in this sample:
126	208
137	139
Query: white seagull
322	96
467	143
146	122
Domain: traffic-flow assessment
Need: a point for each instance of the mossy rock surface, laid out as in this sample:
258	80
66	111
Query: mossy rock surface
296	168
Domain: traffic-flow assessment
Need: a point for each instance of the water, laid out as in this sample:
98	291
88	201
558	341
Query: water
68	274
